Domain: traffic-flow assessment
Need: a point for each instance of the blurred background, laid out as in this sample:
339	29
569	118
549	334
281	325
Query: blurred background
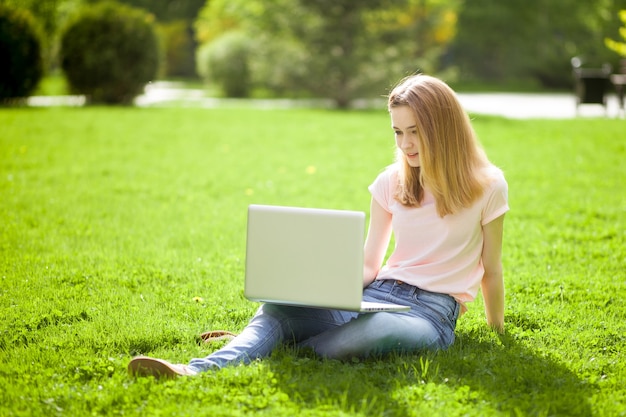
335	49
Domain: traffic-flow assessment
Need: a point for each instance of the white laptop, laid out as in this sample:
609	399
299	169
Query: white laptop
307	257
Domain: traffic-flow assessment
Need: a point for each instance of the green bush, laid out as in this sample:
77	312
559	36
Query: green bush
110	52
226	62
21	65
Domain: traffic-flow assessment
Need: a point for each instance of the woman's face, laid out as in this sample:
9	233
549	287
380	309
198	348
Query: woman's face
404	126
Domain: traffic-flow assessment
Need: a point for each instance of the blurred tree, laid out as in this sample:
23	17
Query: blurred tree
220	16
227	63
52	16
617	46
167	10
174	17
418	30
267	24
339	49
20	53
179	48
175	23
46	11
110	52
530	39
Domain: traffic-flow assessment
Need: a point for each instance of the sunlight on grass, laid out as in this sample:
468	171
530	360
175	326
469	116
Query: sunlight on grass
123	233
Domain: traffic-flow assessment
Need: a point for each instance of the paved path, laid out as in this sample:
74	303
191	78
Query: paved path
511	105
528	106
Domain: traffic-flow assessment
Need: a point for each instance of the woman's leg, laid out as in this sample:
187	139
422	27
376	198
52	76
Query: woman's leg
331	333
272	325
428	326
376	334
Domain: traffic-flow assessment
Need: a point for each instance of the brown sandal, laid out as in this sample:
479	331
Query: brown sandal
216	335
158	368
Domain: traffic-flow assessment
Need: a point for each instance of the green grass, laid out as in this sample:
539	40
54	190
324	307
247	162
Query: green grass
115	220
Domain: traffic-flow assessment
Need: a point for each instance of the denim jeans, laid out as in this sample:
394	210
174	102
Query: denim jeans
429	325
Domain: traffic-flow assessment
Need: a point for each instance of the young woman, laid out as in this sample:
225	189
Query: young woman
445	204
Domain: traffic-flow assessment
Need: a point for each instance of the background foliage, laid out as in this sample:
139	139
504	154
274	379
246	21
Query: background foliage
20	53
619	46
110	52
344	49
226	61
336	49
533	39
174	20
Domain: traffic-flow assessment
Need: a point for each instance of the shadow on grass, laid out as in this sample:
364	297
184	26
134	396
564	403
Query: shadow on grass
514	378
497	375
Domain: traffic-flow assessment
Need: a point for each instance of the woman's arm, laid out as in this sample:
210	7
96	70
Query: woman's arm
493	282
378	234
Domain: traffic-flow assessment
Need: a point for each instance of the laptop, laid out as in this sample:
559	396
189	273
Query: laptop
307	257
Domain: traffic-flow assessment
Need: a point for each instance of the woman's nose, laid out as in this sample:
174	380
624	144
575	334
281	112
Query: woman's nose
407	142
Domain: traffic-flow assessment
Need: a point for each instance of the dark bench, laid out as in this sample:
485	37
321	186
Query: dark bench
590	84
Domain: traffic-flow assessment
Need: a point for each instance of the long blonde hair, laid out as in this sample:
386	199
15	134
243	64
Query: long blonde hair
452	161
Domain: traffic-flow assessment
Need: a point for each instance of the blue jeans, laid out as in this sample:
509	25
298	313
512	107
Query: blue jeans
429	325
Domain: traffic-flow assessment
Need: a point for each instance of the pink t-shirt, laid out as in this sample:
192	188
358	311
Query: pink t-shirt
439	254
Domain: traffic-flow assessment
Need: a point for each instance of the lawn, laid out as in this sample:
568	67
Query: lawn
123	231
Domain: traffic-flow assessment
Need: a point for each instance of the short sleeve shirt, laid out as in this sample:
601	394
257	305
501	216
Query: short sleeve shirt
439	254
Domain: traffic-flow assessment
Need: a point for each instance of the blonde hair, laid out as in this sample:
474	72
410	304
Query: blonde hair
452	160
